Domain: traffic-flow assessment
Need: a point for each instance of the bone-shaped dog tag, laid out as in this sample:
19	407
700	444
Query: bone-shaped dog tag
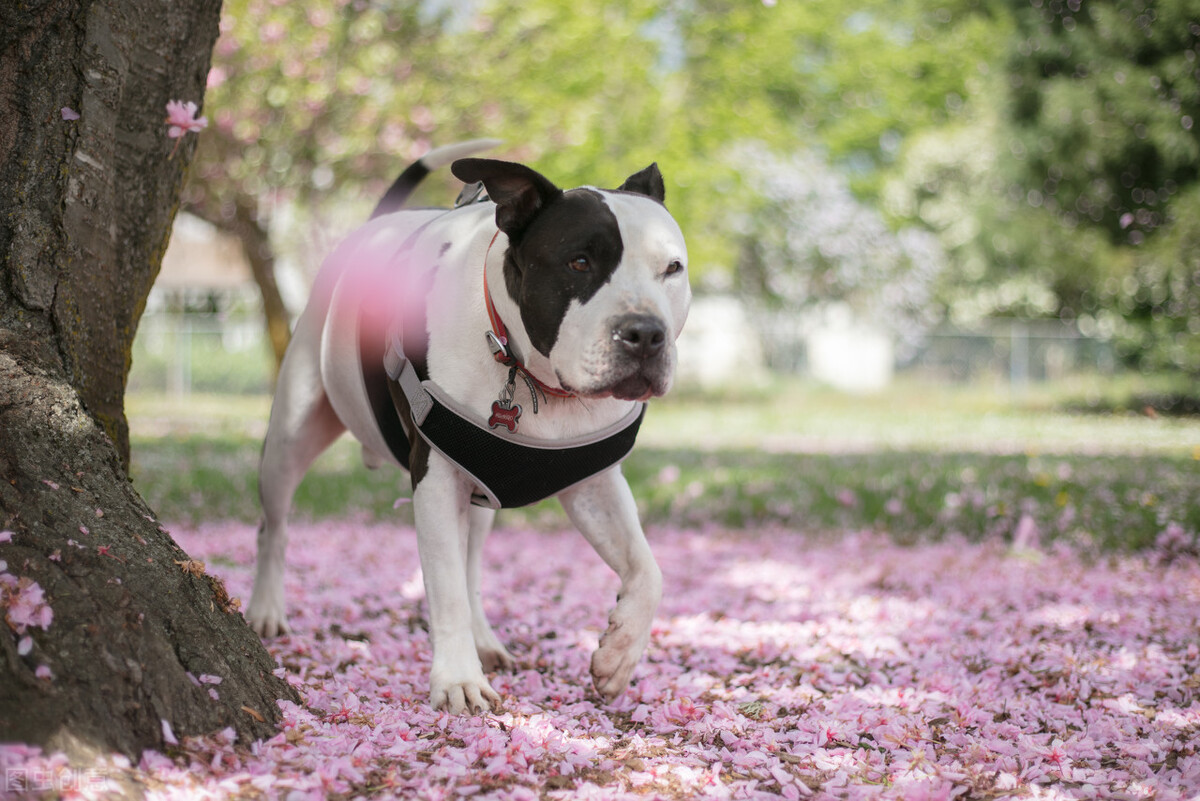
505	413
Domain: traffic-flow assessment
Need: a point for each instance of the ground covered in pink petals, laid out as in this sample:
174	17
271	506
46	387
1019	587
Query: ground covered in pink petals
780	665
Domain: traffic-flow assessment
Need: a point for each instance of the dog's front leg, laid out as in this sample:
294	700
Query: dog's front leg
440	505
604	511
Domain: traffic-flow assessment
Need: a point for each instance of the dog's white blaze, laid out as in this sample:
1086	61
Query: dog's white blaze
585	353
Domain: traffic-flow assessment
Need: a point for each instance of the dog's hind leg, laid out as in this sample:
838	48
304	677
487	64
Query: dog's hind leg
492	653
303	424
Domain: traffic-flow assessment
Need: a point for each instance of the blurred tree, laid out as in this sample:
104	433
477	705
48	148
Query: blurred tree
1105	99
852	78
306	98
579	89
1007	257
318	106
323	103
1153	310
89	184
850	81
810	242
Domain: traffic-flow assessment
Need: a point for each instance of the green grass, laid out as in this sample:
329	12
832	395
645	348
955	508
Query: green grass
920	461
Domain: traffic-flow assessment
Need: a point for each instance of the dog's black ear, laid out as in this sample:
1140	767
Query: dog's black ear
518	192
648	182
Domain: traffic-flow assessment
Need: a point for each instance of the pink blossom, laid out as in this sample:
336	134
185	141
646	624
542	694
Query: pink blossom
167	734
1174	542
1026	537
668	475
216	77
181	117
26	606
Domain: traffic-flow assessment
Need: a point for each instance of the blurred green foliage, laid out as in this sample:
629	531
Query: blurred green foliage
1104	105
1050	144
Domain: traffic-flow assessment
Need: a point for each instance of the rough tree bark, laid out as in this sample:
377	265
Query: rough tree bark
85	212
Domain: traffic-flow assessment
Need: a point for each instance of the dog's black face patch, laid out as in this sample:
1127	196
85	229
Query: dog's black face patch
567	253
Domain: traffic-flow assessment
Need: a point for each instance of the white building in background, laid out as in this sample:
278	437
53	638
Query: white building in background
200	258
848	352
202	267
718	346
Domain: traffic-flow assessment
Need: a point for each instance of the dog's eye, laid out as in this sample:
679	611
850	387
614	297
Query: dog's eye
580	264
674	267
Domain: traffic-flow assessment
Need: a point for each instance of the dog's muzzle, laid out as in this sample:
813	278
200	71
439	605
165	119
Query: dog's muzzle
641	357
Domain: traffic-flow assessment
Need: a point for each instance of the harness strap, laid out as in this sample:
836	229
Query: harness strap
509	470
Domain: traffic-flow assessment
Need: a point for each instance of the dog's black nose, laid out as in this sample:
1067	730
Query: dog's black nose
641	335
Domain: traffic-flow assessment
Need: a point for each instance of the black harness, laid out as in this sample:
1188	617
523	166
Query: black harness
509	469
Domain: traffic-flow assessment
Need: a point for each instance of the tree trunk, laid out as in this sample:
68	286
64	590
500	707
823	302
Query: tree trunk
256	242
240	218
85	212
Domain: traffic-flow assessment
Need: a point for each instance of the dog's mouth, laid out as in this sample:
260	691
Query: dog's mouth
635	388
641	385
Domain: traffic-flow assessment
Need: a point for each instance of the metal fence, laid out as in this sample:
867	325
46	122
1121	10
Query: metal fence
1016	351
182	353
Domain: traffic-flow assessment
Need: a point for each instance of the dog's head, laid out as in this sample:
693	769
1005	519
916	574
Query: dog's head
599	277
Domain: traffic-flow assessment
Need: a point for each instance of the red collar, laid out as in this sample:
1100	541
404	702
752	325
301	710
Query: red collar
498	337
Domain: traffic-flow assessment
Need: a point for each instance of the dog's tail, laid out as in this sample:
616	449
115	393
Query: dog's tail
403	187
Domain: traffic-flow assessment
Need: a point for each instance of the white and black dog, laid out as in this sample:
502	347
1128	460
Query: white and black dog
501	351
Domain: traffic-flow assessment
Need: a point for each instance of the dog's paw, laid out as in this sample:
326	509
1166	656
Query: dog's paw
491	652
472	696
614	661
622	646
496	658
266	616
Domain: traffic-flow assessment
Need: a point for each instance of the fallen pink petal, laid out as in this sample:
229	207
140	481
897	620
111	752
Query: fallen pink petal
69	114
23	603
168	734
780	664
